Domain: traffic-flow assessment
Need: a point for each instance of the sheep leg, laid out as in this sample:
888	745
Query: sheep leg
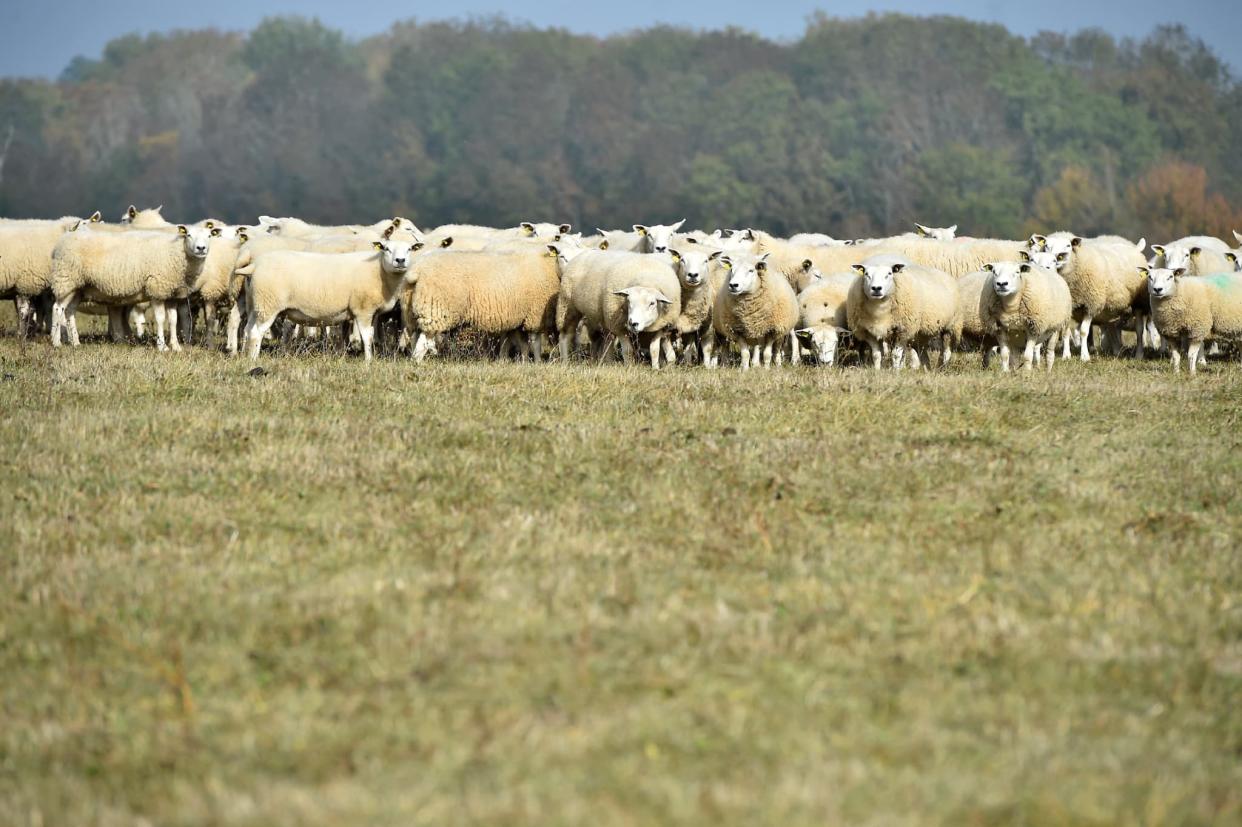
916	361
114	325
231	333
899	355
745	358
420	347
535	342
1084	330
653	350
1052	348
1004	354
170	309
767	354
161	316
1153	335
210	323
1139	327
1028	353
710	358
670	355
71	319
138	322
23	307
58	322
795	349
1192	355
627	351
255	332
366	332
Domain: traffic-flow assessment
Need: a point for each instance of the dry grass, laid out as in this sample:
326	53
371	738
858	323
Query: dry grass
470	592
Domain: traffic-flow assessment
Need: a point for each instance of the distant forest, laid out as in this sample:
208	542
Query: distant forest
858	128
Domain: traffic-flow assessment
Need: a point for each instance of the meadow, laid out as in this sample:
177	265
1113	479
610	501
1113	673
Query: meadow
465	591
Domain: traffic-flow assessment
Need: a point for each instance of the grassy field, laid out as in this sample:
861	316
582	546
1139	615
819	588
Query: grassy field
476	593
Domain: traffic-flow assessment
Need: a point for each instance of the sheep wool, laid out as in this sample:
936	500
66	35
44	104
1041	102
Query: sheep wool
1188	310
756	309
821	315
1025	305
895	302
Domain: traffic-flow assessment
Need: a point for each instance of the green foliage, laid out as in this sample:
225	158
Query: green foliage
856	129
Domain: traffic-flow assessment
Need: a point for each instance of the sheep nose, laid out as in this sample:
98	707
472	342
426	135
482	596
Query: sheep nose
875	291
634	326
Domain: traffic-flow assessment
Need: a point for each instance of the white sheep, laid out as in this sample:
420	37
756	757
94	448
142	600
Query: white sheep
1197	255
694	265
656	238
937	233
819	240
26	262
124	269
622	294
148	219
954	258
1104	281
1189	310
1025	305
756	310
893	302
822	317
502	292
325	288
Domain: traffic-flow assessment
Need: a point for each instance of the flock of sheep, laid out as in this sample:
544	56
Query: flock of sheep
653	292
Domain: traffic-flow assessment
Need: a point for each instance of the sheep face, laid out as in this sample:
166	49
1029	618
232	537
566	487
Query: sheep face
878	279
657	238
197	240
691	266
566	250
823	342
644	305
1007	277
396	256
543	229
1162	281
1040	258
1235	259
744	272
937	233
1176	257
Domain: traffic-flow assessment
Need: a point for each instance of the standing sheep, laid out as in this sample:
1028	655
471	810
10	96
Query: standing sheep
624	294
125	269
325	288
1188	310
894	302
693	267
1025	305
1104	282
756	309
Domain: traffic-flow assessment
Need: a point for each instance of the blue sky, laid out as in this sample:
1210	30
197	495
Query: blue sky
39	38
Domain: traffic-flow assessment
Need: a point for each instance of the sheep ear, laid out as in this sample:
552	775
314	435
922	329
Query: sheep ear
849	242
953	229
96	217
715	255
726	262
1158	249
1037	240
1179	272
1024	255
603	245
132	211
676	256
640	229
1232	258
677	226
805	331
662	299
761	266
378	245
527	227
566	229
897	268
1141	244
389	231
448	242
1146	271
209	224
418	245
1062	258
691	240
182	230
1194	251
859	269
216	232
989	268
1076	242
807	264
921	230
243	237
553	250
625	292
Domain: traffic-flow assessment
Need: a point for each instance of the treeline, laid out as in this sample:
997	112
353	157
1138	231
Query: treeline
856	129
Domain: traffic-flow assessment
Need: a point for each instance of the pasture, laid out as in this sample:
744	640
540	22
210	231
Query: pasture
466	591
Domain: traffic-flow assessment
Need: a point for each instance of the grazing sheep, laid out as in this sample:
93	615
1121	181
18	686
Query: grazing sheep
124	269
898	303
822	317
619	293
757	308
1104	282
325	288
502	292
1025	305
1191	309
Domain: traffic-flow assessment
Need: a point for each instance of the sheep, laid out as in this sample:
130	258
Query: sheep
822	317
1197	255
1028	304
504	292
757	308
148	219
298	227
26	262
819	240
937	233
325	288
656	238
954	258
893	301
693	266
1104	281
1190	309
124	269
623	294
797	261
